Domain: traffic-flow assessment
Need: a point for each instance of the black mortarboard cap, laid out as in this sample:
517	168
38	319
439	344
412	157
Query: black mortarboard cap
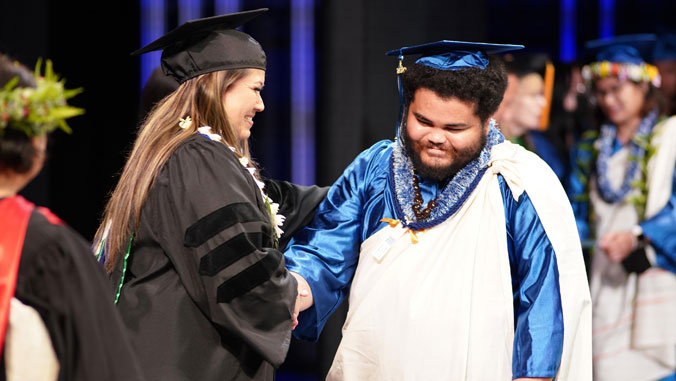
207	45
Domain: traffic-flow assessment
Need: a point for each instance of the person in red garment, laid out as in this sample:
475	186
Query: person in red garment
56	321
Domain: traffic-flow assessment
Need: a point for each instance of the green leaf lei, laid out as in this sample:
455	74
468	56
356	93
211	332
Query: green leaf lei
40	110
586	164
641	184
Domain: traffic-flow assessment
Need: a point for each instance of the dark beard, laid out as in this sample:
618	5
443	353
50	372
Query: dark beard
441	174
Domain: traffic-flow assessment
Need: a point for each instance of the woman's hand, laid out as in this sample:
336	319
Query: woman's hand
304	299
618	245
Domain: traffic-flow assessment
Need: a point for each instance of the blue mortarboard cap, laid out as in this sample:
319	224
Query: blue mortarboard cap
628	49
454	55
446	55
665	47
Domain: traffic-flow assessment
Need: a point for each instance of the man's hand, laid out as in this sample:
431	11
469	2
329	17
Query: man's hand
618	245
304	299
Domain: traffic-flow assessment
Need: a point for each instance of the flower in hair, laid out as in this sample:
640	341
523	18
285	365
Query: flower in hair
185	123
643	72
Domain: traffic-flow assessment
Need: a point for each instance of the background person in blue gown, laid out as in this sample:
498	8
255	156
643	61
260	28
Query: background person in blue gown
622	187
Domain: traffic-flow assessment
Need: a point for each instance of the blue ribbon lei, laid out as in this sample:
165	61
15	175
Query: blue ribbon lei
607	139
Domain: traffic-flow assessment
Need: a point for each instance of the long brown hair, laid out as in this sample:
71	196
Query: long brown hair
201	98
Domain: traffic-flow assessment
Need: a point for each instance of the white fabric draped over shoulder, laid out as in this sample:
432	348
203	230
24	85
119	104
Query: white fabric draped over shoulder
523	170
414	308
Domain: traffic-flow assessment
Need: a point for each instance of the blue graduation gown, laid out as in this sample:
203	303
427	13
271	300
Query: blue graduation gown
326	253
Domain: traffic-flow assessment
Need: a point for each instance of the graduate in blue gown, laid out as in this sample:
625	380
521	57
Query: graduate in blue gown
622	187
453	244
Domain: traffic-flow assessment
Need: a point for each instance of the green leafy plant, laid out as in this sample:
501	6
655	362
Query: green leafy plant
40	110
585	163
639	200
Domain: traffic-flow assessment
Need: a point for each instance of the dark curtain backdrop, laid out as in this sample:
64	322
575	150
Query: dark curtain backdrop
358	94
26	38
90	49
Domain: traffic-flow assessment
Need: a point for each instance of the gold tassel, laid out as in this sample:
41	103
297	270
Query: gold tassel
411	232
401	68
414	237
390	221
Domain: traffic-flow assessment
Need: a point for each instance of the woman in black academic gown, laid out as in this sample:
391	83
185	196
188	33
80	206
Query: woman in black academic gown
56	318
191	233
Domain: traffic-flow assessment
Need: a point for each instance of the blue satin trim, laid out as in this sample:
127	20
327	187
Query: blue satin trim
326	253
538	335
661	231
455	60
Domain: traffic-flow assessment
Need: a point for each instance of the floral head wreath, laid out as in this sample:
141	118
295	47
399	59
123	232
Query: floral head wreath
643	72
40	110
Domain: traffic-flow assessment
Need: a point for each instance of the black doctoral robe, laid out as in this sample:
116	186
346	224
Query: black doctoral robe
205	295
60	278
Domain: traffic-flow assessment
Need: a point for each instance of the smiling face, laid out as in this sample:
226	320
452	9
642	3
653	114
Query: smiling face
442	134
620	101
243	100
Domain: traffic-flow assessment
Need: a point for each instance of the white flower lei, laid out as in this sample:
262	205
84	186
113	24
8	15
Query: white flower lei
272	207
